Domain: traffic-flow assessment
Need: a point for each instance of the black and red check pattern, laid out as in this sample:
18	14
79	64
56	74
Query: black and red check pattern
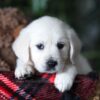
40	87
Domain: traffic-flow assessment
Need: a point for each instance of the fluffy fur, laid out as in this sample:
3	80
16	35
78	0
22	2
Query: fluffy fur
39	42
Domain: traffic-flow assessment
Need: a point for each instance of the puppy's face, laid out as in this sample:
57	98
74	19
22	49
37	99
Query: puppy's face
49	48
49	40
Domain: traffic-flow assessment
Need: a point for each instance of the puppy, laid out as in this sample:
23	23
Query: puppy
50	46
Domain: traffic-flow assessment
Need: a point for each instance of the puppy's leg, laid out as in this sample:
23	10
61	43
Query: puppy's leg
23	69
64	80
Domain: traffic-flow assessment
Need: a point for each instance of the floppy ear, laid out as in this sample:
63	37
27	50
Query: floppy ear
75	44
21	46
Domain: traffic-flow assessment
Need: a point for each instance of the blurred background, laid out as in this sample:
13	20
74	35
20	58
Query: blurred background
82	15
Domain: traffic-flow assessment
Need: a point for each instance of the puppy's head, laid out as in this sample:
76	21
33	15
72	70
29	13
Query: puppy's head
51	44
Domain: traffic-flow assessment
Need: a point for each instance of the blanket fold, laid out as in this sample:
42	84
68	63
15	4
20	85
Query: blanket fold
41	87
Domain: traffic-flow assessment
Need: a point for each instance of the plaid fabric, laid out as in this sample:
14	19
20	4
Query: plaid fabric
40	87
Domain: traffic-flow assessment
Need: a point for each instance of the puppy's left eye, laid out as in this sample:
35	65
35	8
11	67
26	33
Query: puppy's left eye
40	46
60	45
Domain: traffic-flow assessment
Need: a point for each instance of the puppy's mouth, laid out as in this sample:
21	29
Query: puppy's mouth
51	70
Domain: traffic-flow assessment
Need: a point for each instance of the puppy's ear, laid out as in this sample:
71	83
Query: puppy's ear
21	45
75	44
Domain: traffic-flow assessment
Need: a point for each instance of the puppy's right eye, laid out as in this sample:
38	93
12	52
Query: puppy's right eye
40	46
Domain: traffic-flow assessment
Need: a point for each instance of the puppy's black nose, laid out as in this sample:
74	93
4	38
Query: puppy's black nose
51	63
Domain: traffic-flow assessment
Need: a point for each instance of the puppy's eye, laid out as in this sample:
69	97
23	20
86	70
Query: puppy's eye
60	45
40	46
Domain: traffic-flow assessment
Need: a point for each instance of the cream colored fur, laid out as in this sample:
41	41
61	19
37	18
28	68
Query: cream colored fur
49	31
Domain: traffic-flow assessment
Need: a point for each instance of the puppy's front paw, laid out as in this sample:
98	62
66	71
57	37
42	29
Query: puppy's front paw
23	72
63	82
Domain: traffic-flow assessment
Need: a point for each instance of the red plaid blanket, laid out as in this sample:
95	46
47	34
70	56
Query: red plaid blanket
40	87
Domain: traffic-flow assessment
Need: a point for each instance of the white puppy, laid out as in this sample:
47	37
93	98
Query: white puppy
49	45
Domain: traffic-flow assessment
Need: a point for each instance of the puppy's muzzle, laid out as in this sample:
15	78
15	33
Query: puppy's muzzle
51	64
